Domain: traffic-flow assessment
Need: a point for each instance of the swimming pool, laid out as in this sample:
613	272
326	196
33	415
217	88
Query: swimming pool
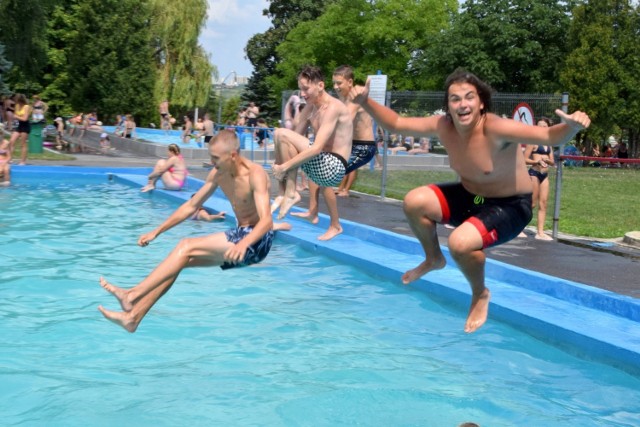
159	136
317	343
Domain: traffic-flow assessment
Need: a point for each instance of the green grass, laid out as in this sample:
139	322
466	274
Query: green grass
45	155
595	202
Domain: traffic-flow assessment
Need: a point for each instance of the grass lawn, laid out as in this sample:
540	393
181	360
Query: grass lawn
595	202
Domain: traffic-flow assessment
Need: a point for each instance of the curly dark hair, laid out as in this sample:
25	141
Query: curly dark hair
463	76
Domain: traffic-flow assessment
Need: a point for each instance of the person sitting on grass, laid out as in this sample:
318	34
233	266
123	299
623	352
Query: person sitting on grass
172	171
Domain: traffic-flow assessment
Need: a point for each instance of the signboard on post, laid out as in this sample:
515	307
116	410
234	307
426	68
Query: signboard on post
378	88
523	113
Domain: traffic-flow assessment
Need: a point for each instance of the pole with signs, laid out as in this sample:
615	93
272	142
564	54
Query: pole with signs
559	161
378	92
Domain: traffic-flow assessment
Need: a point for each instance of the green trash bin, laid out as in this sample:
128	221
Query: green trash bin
35	137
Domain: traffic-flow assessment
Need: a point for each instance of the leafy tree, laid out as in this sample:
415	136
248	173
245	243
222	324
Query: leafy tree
261	48
4	67
330	40
61	30
110	58
602	71
23	34
516	45
184	72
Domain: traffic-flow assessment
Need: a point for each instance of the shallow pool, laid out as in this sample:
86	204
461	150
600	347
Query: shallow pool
298	340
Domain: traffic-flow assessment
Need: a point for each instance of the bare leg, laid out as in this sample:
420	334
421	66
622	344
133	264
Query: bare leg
24	149
332	206
291	196
160	166
312	214
465	246
288	144
137	301
422	209
543	197
348	182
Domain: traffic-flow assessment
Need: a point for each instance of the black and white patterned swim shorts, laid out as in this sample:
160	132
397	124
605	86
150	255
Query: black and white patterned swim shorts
326	169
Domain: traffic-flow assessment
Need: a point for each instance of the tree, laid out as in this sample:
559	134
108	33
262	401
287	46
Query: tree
184	74
110	58
516	45
5	66
602	71
23	34
331	40
261	48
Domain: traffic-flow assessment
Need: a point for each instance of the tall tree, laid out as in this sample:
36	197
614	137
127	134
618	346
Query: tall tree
23	24
330	40
261	48
602	71
110	58
5	66
516	45
185	73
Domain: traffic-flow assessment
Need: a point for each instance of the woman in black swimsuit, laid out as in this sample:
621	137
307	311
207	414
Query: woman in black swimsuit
540	157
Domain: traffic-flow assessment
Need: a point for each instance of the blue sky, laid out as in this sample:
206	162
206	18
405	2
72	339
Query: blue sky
231	23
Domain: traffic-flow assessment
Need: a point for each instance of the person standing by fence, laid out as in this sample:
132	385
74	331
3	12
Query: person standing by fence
540	157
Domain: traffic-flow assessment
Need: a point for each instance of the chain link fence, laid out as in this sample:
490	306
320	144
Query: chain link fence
395	172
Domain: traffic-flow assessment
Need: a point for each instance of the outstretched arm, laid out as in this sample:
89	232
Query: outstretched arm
513	131
185	211
389	119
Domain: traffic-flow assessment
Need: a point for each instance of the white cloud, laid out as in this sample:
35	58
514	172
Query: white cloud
230	25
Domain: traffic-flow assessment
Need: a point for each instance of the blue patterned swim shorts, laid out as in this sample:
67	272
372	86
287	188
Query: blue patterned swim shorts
326	169
361	153
255	253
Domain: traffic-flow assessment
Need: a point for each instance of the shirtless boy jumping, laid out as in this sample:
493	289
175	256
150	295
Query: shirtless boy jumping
246	185
324	161
492	203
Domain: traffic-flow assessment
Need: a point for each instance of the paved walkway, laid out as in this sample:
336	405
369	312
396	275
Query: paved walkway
610	265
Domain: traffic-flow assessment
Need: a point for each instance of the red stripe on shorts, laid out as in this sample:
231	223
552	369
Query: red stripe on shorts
444	205
489	237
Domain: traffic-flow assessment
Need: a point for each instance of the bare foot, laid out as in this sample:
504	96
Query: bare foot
120	318
522	234
276	203
122	295
147	188
544	237
343	193
425	266
287	204
331	233
281	226
308	216
478	311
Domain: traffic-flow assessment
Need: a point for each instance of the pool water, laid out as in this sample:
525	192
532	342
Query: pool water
159	136
295	341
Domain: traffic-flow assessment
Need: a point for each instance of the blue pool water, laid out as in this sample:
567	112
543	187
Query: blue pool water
159	136
298	340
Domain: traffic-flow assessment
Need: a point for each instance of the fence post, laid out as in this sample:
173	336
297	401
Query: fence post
383	184
556	207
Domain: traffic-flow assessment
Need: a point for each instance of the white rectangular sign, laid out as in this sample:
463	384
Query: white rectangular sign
378	88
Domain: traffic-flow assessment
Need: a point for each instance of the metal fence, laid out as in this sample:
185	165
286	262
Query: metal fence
416	104
423	103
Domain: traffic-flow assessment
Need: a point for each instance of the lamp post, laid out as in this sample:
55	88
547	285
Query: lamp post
221	86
